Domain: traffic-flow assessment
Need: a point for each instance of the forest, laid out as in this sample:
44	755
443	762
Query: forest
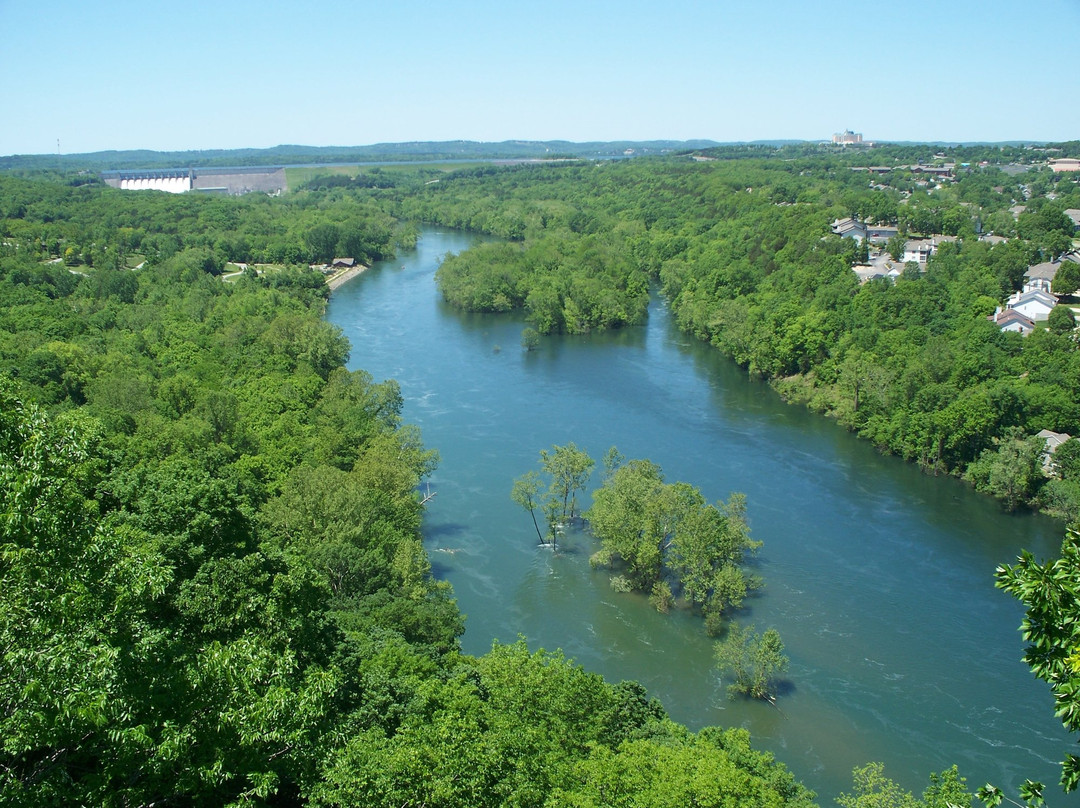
213	584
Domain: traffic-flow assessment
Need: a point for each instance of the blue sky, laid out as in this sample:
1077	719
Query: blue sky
171	75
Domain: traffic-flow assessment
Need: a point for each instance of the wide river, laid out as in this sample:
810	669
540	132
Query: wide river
879	579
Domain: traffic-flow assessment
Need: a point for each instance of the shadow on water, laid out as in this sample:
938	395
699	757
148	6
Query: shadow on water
434	531
784	688
439	571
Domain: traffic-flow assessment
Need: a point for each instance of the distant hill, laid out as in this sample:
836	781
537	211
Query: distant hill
378	152
292	154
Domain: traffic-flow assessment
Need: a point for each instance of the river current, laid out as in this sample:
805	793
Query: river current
879	578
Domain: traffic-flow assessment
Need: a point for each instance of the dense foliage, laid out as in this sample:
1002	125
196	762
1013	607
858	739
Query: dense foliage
1051	593
92	227
743	252
567	287
667	540
874	790
212	584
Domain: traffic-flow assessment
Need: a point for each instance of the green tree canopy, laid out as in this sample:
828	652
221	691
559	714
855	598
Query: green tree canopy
755	661
1050	592
650	529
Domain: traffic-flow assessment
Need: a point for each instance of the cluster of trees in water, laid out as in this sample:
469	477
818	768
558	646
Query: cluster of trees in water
662	539
665	540
212	583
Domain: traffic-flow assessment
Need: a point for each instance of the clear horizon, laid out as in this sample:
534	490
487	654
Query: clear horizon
237	74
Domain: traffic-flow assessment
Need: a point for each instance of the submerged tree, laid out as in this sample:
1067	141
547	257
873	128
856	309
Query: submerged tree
526	493
568	469
530	339
756	661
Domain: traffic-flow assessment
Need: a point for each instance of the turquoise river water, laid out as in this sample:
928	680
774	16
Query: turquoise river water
878	577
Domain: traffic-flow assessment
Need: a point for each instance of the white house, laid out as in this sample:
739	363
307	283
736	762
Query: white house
1012	320
849	228
1034	304
1052	440
918	250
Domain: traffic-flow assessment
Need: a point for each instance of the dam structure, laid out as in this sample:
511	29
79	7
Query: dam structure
234	181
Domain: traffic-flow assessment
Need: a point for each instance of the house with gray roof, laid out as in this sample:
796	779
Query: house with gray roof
1012	320
849	228
1042	272
880	233
1035	304
1047	270
1052	441
919	250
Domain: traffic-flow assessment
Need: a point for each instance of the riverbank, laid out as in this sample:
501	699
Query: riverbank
344	276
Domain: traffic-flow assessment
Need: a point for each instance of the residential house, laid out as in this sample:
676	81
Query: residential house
1052	441
1047	271
1074	214
944	171
849	228
1044	272
1012	320
880	233
919	250
343	263
1035	304
1042	284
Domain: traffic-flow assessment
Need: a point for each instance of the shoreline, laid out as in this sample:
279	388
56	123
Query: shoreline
336	280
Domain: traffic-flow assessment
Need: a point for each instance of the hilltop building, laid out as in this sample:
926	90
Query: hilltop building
847	138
